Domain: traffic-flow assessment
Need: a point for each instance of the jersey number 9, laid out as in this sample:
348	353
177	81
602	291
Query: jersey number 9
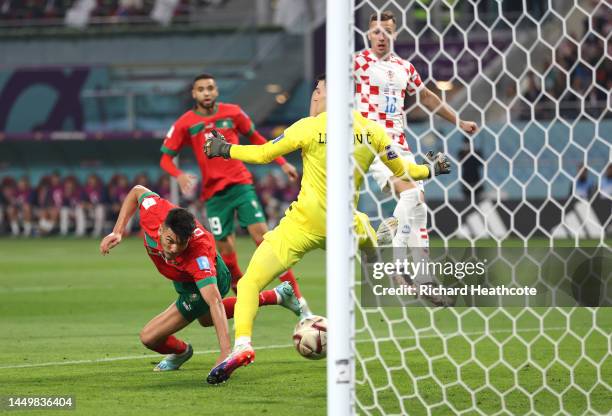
215	225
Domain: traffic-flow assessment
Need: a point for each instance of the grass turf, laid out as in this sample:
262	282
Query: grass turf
64	309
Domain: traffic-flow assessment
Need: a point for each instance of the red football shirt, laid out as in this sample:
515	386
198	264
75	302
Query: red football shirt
191	128
196	264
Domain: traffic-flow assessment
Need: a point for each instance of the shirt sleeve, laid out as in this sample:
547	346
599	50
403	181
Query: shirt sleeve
146	195
257	138
414	83
244	125
360	64
167	164
201	266
175	139
294	137
150	209
400	167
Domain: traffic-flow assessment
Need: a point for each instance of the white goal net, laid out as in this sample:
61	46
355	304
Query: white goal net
536	78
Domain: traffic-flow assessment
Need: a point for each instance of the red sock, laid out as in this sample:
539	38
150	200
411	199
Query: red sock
231	261
289	277
267	297
228	304
171	345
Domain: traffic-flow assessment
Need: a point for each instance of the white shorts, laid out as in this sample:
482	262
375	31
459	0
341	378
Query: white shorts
381	173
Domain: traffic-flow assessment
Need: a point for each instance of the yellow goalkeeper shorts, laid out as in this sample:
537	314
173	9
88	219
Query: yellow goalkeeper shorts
290	242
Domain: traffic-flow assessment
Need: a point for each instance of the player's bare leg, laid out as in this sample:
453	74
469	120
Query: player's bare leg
257	232
157	335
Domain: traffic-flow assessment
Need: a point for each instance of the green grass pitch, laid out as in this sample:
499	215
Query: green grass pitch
70	320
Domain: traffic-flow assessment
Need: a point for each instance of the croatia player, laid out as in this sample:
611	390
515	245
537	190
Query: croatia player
227	185
184	252
304	225
382	79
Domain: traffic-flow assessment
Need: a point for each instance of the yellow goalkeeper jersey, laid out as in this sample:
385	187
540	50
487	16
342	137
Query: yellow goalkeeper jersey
309	134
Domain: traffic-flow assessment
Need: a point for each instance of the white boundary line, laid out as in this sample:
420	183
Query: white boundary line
268	347
62	288
126	358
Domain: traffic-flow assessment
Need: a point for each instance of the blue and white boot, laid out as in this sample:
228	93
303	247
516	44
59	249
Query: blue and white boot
174	361
288	300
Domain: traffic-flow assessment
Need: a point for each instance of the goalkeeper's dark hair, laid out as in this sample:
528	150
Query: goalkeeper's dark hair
181	222
204	75
383	17
318	78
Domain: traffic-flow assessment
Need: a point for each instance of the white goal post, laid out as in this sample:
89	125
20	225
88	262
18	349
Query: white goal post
533	75
340	362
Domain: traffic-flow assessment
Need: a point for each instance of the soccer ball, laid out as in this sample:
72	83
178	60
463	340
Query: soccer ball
310	337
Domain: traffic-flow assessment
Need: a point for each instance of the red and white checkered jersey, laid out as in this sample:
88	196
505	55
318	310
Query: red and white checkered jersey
380	88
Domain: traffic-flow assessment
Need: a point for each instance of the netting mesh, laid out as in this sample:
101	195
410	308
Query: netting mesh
536	78
483	361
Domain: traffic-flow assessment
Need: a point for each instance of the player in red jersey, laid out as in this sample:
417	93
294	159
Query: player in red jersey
227	185
184	252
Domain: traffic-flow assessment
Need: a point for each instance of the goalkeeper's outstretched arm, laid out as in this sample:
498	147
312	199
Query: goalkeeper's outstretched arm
216	146
435	165
402	168
259	154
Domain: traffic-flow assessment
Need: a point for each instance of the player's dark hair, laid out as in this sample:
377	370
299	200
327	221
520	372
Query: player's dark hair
318	78
181	222
384	16
202	76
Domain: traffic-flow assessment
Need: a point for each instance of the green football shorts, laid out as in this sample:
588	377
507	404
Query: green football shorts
222	206
190	303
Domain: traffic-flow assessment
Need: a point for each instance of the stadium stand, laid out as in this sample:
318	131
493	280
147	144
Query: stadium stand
56	205
123	108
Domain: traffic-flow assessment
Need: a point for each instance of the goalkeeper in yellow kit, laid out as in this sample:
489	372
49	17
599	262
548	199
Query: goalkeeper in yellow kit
303	227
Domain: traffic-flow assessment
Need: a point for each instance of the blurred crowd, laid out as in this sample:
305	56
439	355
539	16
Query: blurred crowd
50	9
64	206
276	194
581	68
